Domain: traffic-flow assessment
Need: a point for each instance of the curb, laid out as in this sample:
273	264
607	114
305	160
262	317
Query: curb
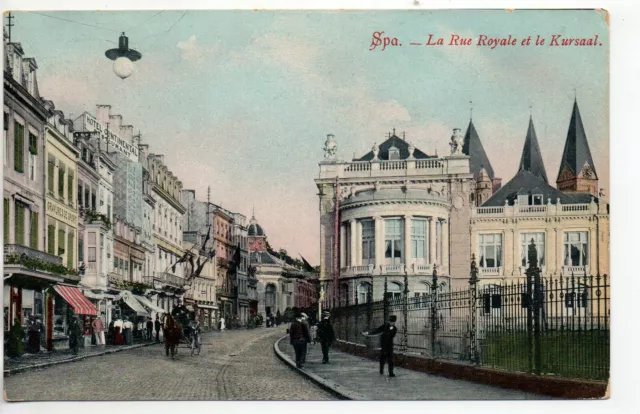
9	372
326	384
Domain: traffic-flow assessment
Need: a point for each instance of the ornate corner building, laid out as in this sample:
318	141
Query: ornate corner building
397	215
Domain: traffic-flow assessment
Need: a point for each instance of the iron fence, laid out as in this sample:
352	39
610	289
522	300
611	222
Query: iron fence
540	325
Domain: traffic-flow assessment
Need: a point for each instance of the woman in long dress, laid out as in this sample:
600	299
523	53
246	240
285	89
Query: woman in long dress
117	331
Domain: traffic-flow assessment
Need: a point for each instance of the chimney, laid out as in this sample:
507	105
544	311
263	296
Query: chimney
103	112
115	122
126	133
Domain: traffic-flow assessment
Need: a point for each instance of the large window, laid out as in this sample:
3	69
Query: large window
61	242
70	261
576	248
490	250
51	167
394	290
33	230
393	240
51	239
525	241
70	188
18	153
419	240
368	242
347	246
61	172
6	220
439	242
33	155
20	222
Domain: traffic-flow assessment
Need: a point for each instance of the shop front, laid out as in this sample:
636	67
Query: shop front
66	303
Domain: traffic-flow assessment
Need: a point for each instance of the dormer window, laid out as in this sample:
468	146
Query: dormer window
523	199
536	199
394	153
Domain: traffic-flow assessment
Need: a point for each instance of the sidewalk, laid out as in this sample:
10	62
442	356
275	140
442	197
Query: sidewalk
29	362
358	378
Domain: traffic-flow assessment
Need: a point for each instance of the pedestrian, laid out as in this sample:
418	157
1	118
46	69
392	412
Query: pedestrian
118	338
387	332
15	347
222	326
42	333
98	330
149	330
299	337
112	333
305	322
127	327
157	325
33	337
326	336
75	335
142	333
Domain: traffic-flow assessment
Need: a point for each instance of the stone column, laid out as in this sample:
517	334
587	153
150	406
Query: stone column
358	239
432	240
379	235
407	243
354	243
343	246
445	246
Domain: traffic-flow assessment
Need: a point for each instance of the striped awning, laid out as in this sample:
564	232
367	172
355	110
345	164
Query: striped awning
77	300
133	303
148	304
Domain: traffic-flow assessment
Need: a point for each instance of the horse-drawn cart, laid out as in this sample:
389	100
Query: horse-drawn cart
175	337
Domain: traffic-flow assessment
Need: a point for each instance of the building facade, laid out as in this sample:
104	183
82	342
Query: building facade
240	266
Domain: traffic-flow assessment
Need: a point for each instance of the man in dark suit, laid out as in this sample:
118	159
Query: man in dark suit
157	325
299	337
326	336
387	332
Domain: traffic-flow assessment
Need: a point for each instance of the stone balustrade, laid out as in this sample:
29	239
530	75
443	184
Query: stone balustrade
408	167
18	250
537	210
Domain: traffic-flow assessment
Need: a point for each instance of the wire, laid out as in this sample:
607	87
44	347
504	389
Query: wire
73	21
139	24
166	31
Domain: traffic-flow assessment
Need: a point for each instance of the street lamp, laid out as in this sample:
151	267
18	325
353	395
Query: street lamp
123	58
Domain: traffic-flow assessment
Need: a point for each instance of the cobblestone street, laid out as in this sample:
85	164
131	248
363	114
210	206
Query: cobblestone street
233	365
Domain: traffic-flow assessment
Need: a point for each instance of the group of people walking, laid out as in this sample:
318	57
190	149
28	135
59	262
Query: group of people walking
300	335
121	331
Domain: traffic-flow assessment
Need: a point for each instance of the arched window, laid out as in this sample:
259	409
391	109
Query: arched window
394	290
344	294
364	290
270	296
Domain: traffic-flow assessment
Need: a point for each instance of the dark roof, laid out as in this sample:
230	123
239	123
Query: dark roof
527	183
576	148
261	258
531	159
254	228
397	142
473	148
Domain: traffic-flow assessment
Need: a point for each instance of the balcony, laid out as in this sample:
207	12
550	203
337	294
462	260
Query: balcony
537	210
491	271
168	279
392	269
19	250
408	167
577	271
357	270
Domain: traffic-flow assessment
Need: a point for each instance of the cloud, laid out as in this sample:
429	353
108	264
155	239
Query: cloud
195	53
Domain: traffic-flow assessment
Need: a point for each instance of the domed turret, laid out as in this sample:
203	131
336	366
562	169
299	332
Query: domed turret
254	228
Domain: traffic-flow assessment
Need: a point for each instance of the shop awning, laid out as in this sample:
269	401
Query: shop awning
133	303
206	306
77	300
149	305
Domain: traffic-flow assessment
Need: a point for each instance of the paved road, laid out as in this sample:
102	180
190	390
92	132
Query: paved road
233	365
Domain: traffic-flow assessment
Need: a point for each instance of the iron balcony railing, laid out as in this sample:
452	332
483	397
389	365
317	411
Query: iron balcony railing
18	250
169	279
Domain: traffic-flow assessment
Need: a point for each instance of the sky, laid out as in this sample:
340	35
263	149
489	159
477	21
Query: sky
242	101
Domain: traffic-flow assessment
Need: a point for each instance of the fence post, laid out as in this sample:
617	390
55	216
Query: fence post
533	310
369	315
405	312
385	302
473	287
434	311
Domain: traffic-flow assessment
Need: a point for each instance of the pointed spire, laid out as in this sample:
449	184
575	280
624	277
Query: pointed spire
576	148
472	147
531	159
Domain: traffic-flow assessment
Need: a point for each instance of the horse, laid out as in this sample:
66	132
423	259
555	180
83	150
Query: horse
172	333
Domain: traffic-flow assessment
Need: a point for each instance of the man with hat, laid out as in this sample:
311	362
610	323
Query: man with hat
305	322
299	337
387	332
326	336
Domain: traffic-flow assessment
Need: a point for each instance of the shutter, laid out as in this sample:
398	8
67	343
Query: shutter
61	244
70	263
70	188
61	170
18	162
50	173
33	232
51	239
6	221
33	144
19	223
